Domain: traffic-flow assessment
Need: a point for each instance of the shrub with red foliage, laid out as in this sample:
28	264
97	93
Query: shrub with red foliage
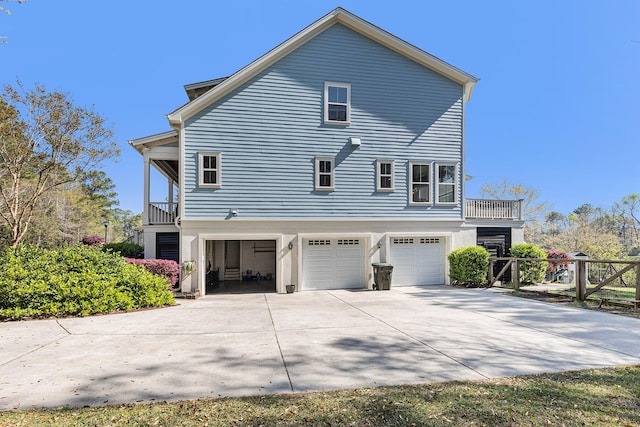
555	254
166	268
92	241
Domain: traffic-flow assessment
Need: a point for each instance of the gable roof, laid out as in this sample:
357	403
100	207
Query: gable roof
338	15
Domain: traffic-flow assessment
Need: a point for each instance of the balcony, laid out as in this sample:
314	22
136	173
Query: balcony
162	212
493	209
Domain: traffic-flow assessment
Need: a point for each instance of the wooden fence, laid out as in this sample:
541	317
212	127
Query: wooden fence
580	273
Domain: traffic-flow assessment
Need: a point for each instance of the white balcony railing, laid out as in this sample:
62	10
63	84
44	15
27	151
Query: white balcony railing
162	212
493	209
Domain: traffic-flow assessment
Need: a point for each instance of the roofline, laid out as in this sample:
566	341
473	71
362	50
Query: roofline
140	143
199	85
338	15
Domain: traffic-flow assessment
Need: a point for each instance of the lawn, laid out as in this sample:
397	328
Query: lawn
597	397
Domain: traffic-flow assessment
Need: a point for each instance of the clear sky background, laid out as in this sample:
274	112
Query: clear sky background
557	107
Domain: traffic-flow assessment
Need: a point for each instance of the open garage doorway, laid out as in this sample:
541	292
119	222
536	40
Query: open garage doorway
240	266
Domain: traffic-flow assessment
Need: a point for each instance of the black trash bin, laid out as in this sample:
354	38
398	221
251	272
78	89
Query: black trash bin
382	275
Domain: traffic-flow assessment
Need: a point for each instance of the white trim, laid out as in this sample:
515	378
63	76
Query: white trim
436	171
203	237
412	163
162	153
379	175
218	169
317	173
325	104
165	137
181	163
196	221
343	17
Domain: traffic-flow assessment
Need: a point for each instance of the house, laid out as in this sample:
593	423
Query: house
340	147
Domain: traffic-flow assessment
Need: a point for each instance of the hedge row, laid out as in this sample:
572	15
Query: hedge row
74	281
469	265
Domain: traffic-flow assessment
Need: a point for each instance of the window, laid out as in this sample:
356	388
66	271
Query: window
324	173
420	183
337	103
209	170
447	179
384	180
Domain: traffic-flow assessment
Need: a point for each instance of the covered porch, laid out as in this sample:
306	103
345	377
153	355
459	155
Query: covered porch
160	201
161	177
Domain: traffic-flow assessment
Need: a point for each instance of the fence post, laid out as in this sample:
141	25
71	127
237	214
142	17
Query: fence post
516	274
581	280
638	282
490	272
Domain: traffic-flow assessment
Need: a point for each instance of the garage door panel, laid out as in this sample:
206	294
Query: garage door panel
333	264
417	261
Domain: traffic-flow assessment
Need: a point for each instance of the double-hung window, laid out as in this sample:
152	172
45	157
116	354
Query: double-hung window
324	173
209	170
337	103
447	178
384	178
420	183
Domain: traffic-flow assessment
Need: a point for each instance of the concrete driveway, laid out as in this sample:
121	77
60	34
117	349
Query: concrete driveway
233	345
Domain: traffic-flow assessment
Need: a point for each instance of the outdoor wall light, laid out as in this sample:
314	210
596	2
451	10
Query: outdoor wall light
233	212
355	142
379	244
291	245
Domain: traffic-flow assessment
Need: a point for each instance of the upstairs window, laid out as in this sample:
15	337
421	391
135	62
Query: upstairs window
420	183
337	103
384	177
324	173
209	170
447	178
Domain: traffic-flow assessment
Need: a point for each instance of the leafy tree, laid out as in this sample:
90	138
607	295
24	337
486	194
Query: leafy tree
632	205
47	142
99	189
504	190
554	220
125	224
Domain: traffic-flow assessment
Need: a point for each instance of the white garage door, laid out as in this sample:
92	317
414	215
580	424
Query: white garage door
333	264
417	261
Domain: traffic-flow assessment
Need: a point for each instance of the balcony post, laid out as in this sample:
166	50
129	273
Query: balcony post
145	212
520	213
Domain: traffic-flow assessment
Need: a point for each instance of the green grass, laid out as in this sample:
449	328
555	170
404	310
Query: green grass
598	397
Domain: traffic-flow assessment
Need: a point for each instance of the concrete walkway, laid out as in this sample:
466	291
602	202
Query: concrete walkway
233	345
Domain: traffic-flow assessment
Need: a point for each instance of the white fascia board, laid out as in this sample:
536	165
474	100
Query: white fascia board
338	15
164	137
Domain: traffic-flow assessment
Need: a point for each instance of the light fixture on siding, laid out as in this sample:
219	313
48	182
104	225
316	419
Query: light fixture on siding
355	142
233	212
291	245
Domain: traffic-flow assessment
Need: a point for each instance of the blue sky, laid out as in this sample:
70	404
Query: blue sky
557	107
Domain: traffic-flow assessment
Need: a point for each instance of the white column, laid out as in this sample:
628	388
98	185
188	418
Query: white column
145	215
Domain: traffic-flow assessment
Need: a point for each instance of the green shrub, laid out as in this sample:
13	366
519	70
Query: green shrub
125	249
469	265
530	271
74	281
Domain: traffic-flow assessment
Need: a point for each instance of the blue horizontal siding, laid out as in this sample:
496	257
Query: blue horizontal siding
270	130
